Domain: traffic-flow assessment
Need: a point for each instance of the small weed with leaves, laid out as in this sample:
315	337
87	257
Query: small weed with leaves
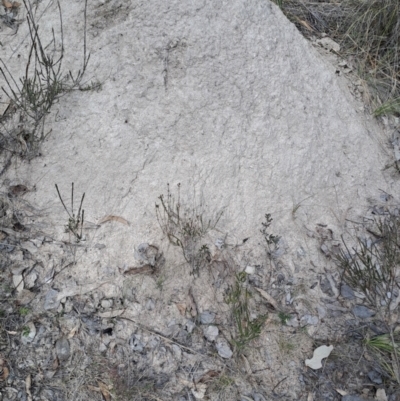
270	239
186	229
26	331
24	311
284	317
247	329
385	349
75	223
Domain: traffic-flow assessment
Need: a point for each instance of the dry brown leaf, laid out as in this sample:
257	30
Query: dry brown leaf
16	190
4	372
267	297
28	383
15	4
104	390
114	218
72	332
209	376
305	24
111	314
191	304
12	333
140	270
182	308
93	388
7	4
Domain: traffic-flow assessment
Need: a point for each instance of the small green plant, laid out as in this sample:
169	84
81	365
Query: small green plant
23	311
247	329
284	317
25	331
385	349
75	223
389	107
186	228
160	283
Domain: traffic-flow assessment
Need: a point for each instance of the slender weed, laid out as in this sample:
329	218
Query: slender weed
246	328
75	222
186	228
371	267
44	82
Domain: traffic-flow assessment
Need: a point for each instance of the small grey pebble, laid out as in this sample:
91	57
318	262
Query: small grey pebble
355	398
346	292
50	301
150	304
375	377
325	286
308	320
207	317
211	333
190	325
135	343
63	349
106	303
223	349
362	312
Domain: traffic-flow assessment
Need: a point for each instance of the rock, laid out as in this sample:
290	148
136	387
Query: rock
190	325
223	349
135	343
375	377
293	322
30	279
355	398
362	312
211	333
150	304
18	282
258	397
29	246
63	349
325	286
106	303
68	306
321	312
308	320
176	350
329	44
147	254
289	299
207	317
25	297
51	301
346	292
220	243
250	269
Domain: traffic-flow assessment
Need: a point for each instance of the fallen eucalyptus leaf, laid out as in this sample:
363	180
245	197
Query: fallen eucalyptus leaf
319	353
